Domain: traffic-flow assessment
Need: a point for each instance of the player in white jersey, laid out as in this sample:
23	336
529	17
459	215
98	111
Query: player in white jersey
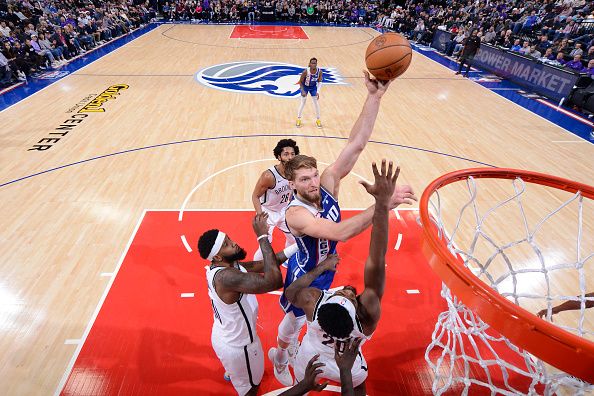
313	217
335	319
272	193
310	82
231	287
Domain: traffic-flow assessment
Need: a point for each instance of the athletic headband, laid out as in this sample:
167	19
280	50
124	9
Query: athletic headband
216	248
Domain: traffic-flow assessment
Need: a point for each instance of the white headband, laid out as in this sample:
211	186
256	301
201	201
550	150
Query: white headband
216	248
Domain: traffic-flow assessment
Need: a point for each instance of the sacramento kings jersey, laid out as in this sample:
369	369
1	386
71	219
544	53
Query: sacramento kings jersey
316	339
311	80
312	250
276	198
234	324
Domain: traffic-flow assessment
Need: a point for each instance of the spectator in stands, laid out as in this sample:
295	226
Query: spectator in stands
590	54
576	64
45	53
543	44
534	52
5	72
560	59
516	47
489	37
45	44
548	56
4	30
577	50
590	68
525	48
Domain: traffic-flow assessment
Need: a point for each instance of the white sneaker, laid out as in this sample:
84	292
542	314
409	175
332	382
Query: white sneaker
281	371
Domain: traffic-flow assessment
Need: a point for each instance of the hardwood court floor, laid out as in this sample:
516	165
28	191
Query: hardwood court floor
62	229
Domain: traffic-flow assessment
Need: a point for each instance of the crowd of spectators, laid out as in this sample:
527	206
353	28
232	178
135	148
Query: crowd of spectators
559	32
42	34
45	34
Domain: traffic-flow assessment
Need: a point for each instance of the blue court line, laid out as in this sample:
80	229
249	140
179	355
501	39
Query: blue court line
237	137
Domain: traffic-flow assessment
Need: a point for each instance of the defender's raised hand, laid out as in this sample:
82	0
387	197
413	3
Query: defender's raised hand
330	263
385	182
260	224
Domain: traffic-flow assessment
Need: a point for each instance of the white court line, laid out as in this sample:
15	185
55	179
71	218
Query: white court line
181	210
187	295
185	242
97	309
183	207
106	274
398	242
413	291
397	214
72	341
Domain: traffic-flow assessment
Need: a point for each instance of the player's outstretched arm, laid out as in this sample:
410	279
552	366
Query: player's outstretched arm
375	266
345	361
568	306
234	280
358	138
265	182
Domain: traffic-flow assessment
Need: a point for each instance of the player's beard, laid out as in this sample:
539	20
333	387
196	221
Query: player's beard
312	198
236	256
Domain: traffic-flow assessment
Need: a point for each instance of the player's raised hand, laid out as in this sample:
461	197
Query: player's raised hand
311	373
375	87
385	182
260	224
346	359
330	263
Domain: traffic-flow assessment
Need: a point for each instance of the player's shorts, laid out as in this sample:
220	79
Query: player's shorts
276	219
312	90
245	365
330	370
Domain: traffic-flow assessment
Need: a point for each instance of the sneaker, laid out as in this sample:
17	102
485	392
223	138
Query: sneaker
227	377
298	123
318	123
281	371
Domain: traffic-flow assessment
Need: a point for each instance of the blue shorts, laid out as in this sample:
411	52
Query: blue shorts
312	90
294	271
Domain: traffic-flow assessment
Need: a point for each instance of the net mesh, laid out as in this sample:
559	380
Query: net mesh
465	352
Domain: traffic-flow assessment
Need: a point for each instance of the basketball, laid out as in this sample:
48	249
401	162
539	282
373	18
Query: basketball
388	56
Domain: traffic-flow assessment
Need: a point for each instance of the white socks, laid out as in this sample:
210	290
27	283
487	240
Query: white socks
301	106
317	106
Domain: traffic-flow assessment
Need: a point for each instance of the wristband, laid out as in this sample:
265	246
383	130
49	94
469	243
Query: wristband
290	250
262	236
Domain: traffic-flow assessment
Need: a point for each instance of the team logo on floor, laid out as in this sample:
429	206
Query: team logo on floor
52	75
267	78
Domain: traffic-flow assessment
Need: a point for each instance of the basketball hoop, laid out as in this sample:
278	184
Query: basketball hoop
484	304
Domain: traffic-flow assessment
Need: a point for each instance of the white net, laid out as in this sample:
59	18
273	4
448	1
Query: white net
528	244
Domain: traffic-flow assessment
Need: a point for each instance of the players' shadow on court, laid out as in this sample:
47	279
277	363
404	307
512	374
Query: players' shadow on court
167	358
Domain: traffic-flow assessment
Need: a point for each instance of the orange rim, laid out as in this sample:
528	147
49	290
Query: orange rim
560	348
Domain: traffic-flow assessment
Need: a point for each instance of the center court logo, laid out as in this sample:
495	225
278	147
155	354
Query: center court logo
266	78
